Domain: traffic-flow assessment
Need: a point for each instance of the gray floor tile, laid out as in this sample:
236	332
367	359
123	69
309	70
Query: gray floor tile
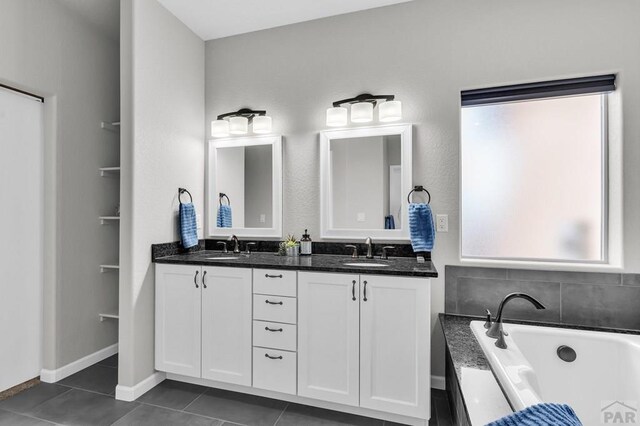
172	394
31	398
96	378
147	415
78	407
302	415
112	361
237	408
13	419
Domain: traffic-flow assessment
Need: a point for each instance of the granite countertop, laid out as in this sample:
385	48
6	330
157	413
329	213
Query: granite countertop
399	266
464	348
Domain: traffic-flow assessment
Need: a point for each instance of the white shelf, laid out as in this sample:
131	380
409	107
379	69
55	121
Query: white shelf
107	219
112	126
108	315
105	170
107	268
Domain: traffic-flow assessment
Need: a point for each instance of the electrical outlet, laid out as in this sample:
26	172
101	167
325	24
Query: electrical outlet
442	223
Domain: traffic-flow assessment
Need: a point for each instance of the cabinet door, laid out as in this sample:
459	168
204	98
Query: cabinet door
177	319
394	345
328	346
226	325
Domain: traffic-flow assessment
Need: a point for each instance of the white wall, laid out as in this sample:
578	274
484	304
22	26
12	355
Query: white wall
425	52
48	50
162	149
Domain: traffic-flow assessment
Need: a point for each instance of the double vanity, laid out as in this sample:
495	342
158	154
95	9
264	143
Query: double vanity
330	331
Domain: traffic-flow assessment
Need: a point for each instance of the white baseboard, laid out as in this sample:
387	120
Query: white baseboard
52	376
439	382
131	393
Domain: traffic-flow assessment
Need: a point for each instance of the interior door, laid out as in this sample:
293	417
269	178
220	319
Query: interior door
21	227
328	337
394	345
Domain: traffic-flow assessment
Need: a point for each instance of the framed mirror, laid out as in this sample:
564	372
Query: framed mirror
244	187
364	181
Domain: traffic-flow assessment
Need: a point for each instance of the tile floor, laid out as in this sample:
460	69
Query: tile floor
86	399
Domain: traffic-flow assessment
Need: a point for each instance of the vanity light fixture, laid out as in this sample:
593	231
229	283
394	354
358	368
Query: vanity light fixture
362	107
237	123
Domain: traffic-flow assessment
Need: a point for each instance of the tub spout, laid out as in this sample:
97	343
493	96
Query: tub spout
496	331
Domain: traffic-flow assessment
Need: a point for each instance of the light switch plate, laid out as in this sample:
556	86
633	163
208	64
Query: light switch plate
442	223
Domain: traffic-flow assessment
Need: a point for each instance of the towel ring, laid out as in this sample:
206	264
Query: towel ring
418	188
223	195
182	191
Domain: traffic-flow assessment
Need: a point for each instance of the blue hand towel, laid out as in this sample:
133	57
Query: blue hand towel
421	228
188	226
541	415
224	216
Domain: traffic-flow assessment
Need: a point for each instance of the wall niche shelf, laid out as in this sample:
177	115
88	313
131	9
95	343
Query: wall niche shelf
109	170
112	126
109	315
109	268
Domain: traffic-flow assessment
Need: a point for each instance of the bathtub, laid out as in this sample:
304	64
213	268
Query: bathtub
602	384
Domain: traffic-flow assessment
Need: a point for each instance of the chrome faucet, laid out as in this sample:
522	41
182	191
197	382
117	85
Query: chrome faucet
496	331
236	243
369	243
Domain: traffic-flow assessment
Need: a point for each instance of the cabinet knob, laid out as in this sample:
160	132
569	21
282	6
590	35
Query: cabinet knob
272	303
272	357
273	329
195	279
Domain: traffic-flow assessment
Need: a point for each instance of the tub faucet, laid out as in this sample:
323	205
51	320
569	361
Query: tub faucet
369	243
496	331
236	243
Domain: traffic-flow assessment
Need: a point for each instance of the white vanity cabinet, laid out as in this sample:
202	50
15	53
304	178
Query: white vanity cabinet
371	352
203	322
178	298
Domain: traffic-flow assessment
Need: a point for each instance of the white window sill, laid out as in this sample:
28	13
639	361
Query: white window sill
541	265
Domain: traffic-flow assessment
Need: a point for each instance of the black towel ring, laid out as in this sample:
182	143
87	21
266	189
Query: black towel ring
223	195
419	188
182	191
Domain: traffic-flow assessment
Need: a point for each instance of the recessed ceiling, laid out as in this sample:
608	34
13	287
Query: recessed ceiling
222	18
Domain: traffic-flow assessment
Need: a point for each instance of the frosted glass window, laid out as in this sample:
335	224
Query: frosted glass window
533	180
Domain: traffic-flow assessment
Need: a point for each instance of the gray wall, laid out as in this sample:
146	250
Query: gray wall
425	52
162	149
577	298
48	50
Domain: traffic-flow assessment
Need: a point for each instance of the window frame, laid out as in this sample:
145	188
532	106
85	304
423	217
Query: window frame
605	228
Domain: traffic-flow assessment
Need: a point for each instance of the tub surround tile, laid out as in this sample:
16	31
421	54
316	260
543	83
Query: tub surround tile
400	266
608	300
475	295
564	276
601	306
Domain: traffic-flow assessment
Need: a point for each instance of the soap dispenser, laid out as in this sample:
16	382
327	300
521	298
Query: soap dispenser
305	244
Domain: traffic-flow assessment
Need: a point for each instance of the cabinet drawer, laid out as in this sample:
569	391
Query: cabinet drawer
274	335
274	281
274	370
274	308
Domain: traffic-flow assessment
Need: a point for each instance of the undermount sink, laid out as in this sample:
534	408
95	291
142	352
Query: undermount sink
224	258
374	265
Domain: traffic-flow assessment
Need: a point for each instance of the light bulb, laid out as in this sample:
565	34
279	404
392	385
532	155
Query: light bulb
362	112
219	128
390	111
261	124
336	117
238	125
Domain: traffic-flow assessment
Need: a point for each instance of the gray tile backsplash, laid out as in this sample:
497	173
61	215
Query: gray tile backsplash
579	298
